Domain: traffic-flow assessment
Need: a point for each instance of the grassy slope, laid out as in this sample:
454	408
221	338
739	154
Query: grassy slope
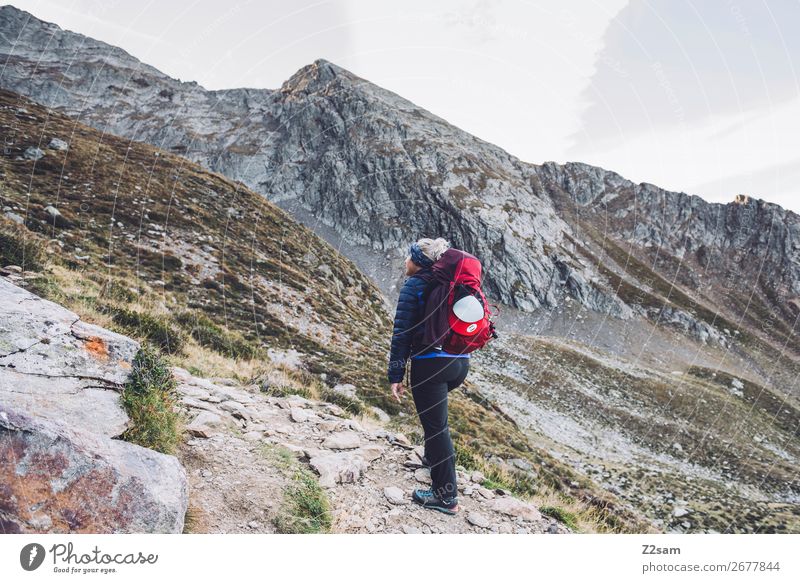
169	250
749	439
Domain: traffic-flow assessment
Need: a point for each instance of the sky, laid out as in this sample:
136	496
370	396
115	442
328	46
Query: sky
699	96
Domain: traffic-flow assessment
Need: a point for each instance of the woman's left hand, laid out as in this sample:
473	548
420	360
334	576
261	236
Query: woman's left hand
397	390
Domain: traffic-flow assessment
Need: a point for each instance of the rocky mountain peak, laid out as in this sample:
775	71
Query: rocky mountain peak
315	76
16	18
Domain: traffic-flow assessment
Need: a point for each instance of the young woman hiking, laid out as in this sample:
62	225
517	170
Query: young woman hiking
434	373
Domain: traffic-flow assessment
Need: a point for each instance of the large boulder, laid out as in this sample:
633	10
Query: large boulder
78	402
55	366
56	479
60	404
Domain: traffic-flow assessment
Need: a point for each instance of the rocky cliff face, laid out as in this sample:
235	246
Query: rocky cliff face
380	171
748	244
384	171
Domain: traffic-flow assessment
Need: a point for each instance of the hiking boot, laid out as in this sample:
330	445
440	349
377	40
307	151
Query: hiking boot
428	499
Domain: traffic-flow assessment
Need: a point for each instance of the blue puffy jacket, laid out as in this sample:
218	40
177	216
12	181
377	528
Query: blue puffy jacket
407	332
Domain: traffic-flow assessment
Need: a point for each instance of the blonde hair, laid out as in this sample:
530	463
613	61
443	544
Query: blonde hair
433	248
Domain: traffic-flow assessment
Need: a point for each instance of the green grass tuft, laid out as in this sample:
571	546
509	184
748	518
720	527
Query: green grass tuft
352	406
149	398
564	516
305	508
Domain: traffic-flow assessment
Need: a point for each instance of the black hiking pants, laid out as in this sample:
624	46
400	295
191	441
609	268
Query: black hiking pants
431	381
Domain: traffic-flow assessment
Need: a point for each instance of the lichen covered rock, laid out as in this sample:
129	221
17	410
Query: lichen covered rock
56	479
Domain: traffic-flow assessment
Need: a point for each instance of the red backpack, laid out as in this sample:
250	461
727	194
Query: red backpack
457	316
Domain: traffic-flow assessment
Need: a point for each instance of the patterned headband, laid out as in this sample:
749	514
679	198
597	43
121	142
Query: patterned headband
418	257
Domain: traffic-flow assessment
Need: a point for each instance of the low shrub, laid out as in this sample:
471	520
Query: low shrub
149	398
18	246
158	331
212	336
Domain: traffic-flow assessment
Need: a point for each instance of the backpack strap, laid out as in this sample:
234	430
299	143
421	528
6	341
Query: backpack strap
431	283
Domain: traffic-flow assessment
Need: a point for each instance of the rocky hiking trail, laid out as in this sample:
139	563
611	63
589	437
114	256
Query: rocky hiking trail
249	461
366	471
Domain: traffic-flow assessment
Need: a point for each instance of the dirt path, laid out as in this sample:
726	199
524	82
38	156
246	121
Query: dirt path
247	450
